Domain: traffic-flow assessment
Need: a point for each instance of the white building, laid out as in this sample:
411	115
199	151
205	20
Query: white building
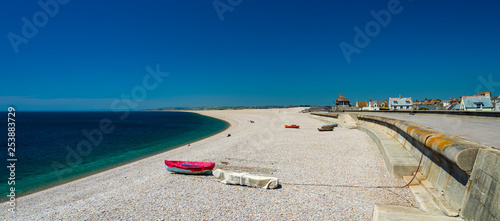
476	103
377	105
362	105
400	103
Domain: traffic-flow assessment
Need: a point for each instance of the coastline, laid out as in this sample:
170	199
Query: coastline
143	189
41	189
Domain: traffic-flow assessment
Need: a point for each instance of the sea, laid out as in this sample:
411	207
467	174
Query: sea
52	148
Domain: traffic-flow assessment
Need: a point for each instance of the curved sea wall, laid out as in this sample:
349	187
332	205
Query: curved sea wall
457	150
465	173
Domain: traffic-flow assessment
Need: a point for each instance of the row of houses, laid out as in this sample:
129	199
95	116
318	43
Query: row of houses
477	102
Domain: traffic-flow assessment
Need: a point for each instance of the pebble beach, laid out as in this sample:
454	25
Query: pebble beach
323	175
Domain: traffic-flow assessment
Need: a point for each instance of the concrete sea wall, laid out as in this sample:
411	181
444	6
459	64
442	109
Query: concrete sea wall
465	173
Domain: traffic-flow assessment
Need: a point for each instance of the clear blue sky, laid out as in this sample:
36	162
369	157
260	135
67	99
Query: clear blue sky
90	53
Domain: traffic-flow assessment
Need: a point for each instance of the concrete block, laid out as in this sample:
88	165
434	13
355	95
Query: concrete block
489	162
495	207
432	176
480	159
437	197
492	198
470	209
483	200
426	167
423	197
442	177
400	213
455	193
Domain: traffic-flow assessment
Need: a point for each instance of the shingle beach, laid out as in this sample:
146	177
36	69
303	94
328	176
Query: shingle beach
145	190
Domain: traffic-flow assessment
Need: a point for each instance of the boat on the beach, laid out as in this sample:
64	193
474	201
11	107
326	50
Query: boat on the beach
328	127
189	167
325	129
292	126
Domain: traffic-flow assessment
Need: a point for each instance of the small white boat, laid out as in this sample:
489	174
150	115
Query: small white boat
328	127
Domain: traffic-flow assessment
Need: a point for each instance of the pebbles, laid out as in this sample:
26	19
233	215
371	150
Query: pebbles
295	156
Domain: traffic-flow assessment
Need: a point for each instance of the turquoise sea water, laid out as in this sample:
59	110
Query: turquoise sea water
56	147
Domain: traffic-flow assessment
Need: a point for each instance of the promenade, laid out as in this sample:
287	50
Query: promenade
480	130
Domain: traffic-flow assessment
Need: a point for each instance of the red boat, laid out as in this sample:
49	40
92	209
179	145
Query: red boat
292	126
189	167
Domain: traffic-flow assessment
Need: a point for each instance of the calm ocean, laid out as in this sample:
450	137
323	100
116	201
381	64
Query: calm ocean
56	147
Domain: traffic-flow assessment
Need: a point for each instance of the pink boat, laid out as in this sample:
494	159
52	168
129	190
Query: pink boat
189	167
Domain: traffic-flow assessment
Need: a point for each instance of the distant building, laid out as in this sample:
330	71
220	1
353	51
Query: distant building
342	101
426	107
362	105
446	103
455	104
430	104
476	103
487	93
400	103
449	104
342	104
377	105
454	107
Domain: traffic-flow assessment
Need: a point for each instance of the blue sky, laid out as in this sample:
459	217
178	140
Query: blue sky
88	54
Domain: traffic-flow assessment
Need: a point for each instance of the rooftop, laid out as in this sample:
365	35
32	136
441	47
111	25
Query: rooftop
342	98
472	101
400	101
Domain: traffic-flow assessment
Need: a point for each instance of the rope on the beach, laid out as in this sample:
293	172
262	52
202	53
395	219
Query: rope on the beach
357	186
337	185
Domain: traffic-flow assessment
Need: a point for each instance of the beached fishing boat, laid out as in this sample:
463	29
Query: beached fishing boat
328	127
292	126
189	167
325	128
